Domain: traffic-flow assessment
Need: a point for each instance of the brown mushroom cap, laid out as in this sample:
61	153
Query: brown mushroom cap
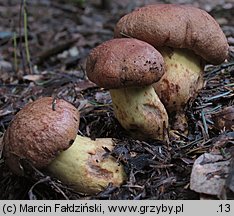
38	133
177	26
123	63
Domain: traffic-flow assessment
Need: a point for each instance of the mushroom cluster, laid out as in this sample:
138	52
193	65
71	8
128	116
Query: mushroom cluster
129	67
46	136
187	38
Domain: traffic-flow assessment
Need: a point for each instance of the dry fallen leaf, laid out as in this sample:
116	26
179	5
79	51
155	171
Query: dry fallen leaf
230	178
224	119
209	174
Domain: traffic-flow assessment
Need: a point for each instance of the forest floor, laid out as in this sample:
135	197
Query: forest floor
60	36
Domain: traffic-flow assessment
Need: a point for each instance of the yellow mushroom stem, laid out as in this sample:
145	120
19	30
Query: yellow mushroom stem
140	111
182	80
87	167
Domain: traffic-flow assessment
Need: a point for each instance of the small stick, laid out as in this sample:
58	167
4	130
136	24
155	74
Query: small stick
20	34
54	104
26	38
15	52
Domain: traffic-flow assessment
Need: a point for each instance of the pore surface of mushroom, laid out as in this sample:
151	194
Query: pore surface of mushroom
187	37
128	67
47	137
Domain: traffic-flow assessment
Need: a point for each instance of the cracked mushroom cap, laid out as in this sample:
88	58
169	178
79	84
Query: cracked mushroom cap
124	62
177	26
38	133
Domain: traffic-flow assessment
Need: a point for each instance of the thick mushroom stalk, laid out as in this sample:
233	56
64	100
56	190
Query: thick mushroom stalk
87	167
140	111
46	136
182	80
183	77
129	67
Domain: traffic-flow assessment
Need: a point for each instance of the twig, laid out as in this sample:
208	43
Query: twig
204	123
26	38
125	35
218	96
20	36
193	143
15	52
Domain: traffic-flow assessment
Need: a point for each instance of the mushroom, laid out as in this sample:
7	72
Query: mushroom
45	134
128	67
187	38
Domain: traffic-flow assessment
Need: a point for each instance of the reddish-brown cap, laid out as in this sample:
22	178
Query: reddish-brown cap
39	132
177	26
123	63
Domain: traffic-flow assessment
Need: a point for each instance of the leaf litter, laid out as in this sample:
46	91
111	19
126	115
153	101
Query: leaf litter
59	43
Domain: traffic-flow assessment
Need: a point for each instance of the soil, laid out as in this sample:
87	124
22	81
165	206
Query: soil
50	61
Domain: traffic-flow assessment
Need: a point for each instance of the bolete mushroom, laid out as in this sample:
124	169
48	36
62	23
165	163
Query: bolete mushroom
45	134
187	37
128	67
